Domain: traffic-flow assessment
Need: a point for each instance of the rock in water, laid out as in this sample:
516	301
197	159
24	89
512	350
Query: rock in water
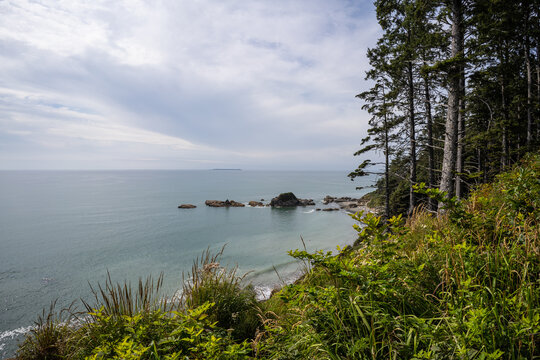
306	202
328	199
255	204
289	199
215	203
226	203
285	200
186	206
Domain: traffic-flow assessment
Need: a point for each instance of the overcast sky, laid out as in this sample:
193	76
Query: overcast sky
183	84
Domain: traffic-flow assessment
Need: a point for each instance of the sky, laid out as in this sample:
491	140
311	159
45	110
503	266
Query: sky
183	84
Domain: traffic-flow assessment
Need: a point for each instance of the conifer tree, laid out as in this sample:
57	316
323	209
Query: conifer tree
378	102
454	94
491	80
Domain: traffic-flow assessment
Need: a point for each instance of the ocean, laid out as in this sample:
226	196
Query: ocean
63	230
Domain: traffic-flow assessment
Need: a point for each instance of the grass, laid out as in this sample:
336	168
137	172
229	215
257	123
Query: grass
235	306
117	299
460	286
48	339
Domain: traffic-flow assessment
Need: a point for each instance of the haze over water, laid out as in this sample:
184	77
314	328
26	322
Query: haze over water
60	230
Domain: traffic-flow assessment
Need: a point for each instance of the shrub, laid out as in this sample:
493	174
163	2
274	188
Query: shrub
49	338
236	307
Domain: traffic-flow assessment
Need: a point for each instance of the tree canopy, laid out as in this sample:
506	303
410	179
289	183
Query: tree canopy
455	95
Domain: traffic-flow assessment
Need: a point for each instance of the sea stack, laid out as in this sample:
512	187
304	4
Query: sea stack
290	200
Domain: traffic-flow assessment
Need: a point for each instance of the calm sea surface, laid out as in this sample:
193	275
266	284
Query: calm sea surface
60	230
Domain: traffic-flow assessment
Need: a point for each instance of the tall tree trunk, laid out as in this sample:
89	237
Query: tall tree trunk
504	140
529	80
505	155
431	152
386	160
479	166
451	127
461	135
538	87
537	26
504	144
386	170
412	139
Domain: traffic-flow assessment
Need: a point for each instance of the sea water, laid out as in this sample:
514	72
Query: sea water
61	230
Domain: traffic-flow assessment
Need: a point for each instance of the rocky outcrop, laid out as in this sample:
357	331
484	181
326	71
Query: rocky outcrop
226	203
285	200
349	204
330	209
290	200
306	202
186	206
328	199
255	204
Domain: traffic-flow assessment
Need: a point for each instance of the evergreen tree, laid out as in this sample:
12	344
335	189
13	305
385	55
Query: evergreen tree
475	61
454	95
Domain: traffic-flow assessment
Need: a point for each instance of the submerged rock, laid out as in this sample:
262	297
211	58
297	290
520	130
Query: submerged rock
186	206
226	203
255	204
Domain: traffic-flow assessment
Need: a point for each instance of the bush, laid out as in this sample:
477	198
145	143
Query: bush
49	338
235	306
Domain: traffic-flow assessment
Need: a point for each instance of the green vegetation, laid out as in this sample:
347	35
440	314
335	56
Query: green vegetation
460	286
126	323
235	307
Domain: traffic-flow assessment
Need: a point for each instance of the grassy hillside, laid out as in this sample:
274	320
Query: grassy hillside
460	286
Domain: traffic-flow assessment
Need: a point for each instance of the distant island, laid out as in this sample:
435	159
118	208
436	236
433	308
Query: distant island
226	169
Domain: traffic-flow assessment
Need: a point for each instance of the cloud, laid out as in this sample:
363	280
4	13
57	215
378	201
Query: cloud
183	83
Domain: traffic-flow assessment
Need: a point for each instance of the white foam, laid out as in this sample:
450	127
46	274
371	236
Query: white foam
13	333
263	292
309	212
10	334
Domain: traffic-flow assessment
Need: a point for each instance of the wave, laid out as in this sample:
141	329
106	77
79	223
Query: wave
10	335
13	333
256	207
309	212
